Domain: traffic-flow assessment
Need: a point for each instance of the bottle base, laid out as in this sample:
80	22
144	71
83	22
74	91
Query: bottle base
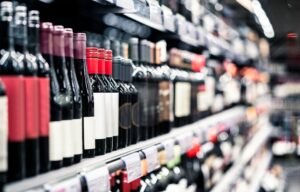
68	161
100	147
89	153
77	158
32	157
56	165
16	161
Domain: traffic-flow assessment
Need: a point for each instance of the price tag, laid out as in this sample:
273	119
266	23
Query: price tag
126	4
169	148
133	166
69	185
152	158
185	142
98	180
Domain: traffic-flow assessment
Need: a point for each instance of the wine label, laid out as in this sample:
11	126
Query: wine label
98	180
164	101
15	91
169	148
202	104
133	166
44	106
68	138
56	143
151	158
115	113
210	90
77	130
69	185
218	104
171	104
109	114
31	107
89	132
102	114
3	133
182	99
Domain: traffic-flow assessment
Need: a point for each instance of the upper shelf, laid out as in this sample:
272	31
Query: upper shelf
88	164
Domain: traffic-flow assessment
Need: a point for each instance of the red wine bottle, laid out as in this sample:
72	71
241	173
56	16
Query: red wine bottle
11	73
66	97
86	95
124	110
77	102
113	106
31	91
101	116
44	88
52	139
3	134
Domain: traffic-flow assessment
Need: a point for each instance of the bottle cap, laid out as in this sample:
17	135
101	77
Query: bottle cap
101	61
134	49
68	37
34	19
108	62
80	45
58	41
116	48
117	62
92	60
129	66
46	38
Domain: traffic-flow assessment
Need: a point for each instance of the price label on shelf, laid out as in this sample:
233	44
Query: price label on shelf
133	166
169	149
185	142
98	180
152	158
69	185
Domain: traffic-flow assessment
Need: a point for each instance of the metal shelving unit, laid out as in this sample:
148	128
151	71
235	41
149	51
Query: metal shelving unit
89	164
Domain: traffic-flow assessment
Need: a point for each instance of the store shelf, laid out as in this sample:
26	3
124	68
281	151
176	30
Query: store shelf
89	164
249	151
262	169
145	21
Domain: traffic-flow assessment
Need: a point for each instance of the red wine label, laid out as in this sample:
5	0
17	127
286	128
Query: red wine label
16	107
102	115
31	107
89	132
68	140
44	107
115	113
77	130
3	133
56	141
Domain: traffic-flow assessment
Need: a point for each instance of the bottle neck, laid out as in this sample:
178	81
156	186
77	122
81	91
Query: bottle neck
33	40
21	40
6	33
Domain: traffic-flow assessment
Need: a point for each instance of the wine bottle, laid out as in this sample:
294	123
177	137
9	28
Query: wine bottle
88	118
124	121
66	95
101	116
31	91
3	134
43	87
53	153
139	81
113	97
77	102
11	73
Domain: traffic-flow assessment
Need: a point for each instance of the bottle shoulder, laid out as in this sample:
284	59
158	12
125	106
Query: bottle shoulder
10	64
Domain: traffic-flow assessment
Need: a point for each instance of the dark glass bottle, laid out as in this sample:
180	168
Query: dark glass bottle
3	134
43	87
124	121
11	71
31	91
66	95
100	113
53	153
114	98
134	99
139	81
86	95
77	102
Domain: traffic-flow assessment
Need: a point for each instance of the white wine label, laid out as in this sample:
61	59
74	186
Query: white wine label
109	114
68	138
182	99
3	133
133	166
56	141
70	185
101	115
89	132
98	180
77	129
152	158
115	113
169	148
